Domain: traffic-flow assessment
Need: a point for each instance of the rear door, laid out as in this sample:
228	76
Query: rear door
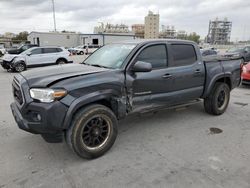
50	55
187	71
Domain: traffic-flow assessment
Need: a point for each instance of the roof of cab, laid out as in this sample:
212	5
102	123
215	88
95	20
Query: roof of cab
145	41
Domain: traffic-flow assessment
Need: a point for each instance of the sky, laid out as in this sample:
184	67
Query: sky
82	16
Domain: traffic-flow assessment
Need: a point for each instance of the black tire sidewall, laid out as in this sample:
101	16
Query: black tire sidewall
74	134
20	63
219	88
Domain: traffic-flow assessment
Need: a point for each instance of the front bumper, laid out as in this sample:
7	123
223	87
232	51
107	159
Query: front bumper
245	77
35	117
6	64
40	118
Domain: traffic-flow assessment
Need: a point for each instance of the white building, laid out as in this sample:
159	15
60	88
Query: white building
76	39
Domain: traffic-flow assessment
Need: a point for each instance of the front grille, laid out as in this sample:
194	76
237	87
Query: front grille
17	92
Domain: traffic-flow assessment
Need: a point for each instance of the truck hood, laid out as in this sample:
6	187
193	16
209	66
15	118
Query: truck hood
9	57
14	51
46	76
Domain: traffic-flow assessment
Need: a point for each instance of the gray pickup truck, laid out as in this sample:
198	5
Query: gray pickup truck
83	102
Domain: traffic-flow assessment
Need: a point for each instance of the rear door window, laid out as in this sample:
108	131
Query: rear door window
156	55
183	54
49	50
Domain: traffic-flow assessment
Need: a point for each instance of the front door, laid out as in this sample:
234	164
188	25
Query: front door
35	57
149	89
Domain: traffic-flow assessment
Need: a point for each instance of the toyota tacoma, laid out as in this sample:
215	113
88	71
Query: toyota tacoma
84	102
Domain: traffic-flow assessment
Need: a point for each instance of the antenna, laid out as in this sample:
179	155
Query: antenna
54	15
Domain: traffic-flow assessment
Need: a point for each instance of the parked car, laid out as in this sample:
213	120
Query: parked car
79	50
2	51
84	102
208	52
245	76
85	49
239	52
36	56
91	49
21	48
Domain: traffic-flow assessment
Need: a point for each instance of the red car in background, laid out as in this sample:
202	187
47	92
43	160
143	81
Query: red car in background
245	76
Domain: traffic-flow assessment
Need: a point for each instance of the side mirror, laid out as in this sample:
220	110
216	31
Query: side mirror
141	66
245	51
28	54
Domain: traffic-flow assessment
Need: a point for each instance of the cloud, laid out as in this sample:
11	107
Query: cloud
82	16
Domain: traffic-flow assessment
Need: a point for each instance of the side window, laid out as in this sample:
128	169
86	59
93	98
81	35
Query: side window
156	55
183	54
49	50
59	50
36	51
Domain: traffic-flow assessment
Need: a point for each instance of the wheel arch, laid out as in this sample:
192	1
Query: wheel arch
61	58
224	78
114	103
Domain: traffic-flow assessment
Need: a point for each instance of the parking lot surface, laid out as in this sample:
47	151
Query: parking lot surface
173	148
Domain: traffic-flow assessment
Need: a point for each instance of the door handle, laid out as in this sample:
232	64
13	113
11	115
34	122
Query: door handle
167	76
197	71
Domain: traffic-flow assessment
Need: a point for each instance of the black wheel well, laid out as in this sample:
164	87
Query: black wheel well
225	80
61	58
104	102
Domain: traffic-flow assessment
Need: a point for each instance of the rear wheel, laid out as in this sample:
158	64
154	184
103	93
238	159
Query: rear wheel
81	53
19	67
61	61
217	101
92	132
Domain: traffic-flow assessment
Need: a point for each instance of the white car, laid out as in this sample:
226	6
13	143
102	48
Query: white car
2	51
36	56
85	49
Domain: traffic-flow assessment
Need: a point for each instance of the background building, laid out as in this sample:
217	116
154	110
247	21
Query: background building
138	30
219	31
168	32
76	39
152	25
111	28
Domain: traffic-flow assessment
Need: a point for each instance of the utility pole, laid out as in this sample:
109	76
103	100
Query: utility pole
54	15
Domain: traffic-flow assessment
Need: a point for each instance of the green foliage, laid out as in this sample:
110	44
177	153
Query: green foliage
22	36
194	37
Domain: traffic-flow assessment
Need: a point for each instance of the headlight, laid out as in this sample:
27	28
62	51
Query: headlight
236	55
47	95
244	69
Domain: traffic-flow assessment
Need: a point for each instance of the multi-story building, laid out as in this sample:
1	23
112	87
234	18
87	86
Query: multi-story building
111	28
168	32
152	25
181	34
219	31
138	30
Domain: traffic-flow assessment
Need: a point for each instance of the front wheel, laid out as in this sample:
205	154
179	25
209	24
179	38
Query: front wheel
217	101
92	132
19	67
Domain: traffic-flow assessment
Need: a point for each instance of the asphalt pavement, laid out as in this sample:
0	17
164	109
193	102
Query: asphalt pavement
173	148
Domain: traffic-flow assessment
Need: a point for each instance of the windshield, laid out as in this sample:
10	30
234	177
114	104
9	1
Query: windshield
236	50
110	56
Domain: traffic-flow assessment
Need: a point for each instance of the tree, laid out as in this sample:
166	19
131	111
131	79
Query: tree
22	36
194	37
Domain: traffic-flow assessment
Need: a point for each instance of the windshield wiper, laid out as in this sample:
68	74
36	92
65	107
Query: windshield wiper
97	65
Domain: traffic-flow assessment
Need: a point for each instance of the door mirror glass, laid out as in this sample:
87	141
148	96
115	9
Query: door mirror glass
141	66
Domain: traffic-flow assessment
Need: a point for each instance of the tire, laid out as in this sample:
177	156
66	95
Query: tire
81	53
85	129
19	67
217	101
1	54
61	61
